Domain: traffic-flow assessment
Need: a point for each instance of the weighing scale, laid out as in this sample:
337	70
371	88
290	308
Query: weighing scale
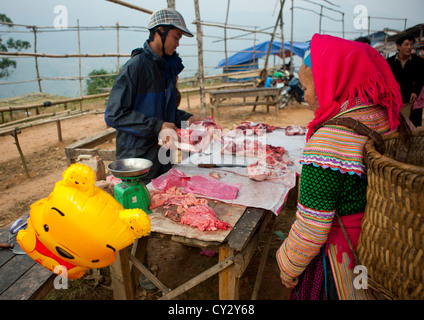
131	193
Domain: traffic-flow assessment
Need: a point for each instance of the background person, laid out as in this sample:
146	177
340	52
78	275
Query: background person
408	70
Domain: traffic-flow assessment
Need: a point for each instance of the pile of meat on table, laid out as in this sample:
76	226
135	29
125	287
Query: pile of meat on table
175	188
259	128
197	137
272	162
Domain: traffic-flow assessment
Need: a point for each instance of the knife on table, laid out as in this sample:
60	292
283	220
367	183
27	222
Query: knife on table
216	165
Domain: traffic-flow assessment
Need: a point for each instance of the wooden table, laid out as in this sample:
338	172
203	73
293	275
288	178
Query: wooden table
235	253
21	278
235	249
261	96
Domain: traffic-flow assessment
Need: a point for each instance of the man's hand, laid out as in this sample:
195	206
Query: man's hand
194	119
168	136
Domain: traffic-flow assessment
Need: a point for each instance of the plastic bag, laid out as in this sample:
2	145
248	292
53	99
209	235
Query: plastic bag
419	103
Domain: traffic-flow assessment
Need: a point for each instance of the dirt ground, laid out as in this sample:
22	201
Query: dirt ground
46	161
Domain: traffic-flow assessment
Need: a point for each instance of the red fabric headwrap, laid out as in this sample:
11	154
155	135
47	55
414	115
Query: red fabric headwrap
343	70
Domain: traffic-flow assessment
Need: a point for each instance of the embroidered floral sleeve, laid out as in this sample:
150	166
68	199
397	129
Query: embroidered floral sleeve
319	194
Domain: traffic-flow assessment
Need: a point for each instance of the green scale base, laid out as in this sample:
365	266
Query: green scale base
132	193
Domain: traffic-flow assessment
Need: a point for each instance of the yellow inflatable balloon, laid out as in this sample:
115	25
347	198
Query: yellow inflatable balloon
79	226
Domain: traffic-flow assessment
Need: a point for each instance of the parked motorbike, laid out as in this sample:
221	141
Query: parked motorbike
291	92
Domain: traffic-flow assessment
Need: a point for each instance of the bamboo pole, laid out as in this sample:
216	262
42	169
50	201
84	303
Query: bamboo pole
79	52
291	40
254	50
61	78
14	134
225	38
232	28
68	55
59	130
34	29
283	53
248	73
200	59
272	37
117	47
39	105
122	3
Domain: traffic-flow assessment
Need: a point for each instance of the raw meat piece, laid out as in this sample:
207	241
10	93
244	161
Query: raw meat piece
296	131
191	210
244	148
198	135
272	161
273	165
113	179
173	177
198	184
203	218
249	128
216	175
173	215
173	196
250	148
262	169
212	188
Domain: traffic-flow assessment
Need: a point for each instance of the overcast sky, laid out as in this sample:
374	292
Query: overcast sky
245	13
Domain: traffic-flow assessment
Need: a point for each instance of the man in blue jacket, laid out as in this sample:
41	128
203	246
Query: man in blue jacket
142	103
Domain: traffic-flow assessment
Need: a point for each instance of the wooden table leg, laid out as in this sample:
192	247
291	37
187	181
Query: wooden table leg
139	250
122	282
229	284
264	256
212	104
254	106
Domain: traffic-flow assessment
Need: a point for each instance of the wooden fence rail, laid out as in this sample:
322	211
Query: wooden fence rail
37	106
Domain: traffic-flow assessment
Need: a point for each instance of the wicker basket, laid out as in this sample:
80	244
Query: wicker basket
391	244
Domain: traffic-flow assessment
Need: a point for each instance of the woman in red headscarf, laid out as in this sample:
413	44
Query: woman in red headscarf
341	78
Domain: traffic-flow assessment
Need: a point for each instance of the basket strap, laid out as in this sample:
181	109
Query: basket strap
359	128
405	141
357	262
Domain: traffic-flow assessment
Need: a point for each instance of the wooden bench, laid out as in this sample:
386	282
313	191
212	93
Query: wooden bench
262	96
88	146
21	277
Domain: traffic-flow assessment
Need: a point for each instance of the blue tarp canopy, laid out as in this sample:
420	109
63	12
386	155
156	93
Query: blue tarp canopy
253	53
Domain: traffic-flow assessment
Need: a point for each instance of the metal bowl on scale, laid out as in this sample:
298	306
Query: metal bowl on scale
131	167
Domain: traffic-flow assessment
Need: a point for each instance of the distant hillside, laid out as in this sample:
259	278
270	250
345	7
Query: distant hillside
29	98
